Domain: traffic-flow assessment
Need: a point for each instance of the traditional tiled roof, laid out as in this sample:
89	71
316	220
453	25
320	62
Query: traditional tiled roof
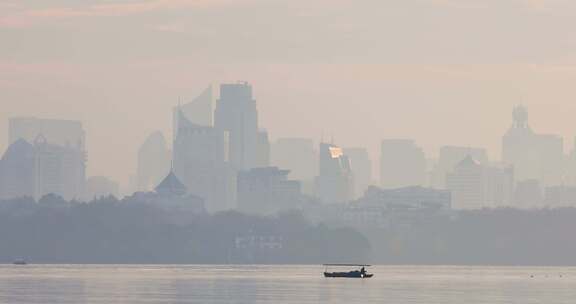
171	185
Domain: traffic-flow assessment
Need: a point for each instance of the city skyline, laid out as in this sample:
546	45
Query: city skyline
371	71
130	178
257	151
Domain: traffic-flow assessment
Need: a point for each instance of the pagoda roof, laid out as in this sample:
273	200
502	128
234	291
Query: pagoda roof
171	185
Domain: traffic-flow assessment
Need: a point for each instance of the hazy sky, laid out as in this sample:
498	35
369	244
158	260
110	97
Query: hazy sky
438	71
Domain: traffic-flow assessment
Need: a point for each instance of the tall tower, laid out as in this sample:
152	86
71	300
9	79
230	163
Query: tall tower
534	156
520	118
199	111
60	153
519	146
236	115
466	182
200	163
153	161
335	182
361	168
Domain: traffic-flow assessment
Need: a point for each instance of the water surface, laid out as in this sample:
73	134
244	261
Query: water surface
283	284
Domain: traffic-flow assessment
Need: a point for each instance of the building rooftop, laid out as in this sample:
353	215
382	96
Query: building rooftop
468	161
171	185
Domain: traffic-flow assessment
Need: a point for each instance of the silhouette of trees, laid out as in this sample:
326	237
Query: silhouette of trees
485	237
108	230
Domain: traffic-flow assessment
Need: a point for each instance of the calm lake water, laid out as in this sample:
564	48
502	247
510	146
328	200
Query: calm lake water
283	284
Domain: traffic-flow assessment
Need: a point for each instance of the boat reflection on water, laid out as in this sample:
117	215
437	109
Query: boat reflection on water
360	272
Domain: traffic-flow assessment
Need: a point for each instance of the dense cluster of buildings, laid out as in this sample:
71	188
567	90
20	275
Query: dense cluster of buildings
48	156
44	156
223	158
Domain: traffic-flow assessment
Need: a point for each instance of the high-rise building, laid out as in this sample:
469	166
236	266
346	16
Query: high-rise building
60	170
477	185
41	168
551	148
449	157
560	196
570	167
499	185
402	164
534	156
59	154
361	168
263	150
466	182
335	182
266	191
201	163
18	171
415	197
199	111
153	161
236	114
67	133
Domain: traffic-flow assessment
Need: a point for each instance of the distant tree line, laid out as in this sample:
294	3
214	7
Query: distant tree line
482	237
108	230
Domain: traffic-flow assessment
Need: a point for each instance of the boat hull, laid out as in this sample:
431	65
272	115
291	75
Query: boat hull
352	274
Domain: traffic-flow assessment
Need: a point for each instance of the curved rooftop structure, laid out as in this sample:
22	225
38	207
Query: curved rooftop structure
18	150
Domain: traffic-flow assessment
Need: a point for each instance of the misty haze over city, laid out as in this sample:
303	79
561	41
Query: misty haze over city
384	69
216	149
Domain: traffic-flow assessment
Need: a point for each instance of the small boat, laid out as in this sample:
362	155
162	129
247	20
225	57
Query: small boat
20	262
359	273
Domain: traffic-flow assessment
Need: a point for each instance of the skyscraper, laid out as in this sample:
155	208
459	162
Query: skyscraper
59	154
449	157
60	132
266	191
153	161
201	163
534	156
551	148
570	167
402	164
199	111
18	170
263	150
236	114
59	170
499	185
361	168
335	181
41	168
466	181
